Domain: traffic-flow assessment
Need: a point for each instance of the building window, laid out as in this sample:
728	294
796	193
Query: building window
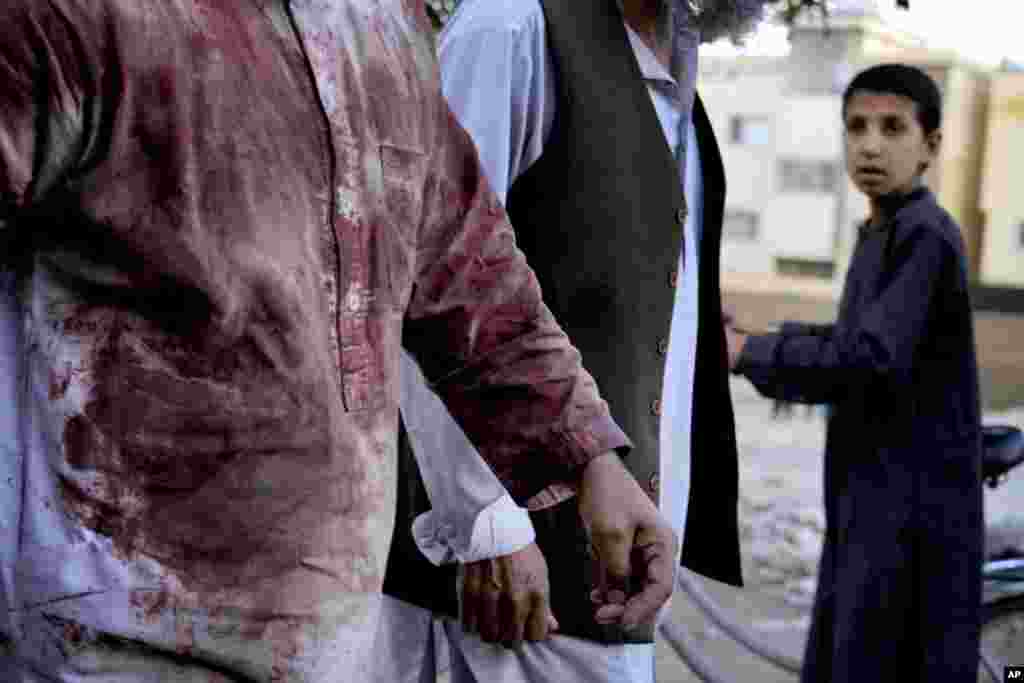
797	175
805	268
740	226
750	130
1020	235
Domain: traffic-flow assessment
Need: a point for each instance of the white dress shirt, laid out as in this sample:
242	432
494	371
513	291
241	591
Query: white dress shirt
500	82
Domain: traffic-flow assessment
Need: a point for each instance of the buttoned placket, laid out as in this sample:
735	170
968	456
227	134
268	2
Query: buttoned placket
355	296
669	87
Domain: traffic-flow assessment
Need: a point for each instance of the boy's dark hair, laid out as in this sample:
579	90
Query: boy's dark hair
901	79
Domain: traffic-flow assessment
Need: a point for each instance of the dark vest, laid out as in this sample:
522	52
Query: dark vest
711	545
599	217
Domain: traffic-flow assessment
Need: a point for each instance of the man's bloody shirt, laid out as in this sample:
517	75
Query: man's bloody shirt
227	216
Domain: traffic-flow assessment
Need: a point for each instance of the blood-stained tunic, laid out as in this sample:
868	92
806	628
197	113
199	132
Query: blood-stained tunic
226	217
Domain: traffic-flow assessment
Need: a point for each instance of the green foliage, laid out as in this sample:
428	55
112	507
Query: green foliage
440	10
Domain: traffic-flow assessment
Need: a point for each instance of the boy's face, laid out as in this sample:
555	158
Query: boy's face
886	147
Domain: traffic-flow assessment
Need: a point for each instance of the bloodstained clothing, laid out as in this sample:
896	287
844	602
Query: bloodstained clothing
226	218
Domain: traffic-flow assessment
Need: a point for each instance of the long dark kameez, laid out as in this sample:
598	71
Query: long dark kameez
899	581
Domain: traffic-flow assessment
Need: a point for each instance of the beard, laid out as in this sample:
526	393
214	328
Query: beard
716	19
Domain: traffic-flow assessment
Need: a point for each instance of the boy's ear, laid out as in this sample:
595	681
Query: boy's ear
933	140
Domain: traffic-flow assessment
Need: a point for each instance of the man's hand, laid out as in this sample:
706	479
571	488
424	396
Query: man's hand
507	598
734	341
635	546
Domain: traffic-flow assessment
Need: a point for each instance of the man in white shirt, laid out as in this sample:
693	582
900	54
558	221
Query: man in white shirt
501	74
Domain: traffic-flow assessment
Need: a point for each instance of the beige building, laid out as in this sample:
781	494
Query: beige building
791	212
1002	197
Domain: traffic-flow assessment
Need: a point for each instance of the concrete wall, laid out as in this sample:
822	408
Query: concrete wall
1002	196
750	169
802	224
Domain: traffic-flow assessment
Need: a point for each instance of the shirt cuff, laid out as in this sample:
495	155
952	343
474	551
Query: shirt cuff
500	529
758	354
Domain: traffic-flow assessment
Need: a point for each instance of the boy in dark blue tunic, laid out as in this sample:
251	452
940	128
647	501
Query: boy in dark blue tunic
900	576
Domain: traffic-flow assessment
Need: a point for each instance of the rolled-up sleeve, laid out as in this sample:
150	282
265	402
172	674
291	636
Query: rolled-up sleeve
500	528
479	330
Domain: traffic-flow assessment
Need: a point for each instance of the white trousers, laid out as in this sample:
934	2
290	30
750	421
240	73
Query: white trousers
414	646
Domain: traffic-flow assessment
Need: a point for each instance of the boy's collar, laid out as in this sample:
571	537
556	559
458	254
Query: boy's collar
892	205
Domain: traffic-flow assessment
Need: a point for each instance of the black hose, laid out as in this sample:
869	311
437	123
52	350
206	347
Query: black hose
688	651
737	632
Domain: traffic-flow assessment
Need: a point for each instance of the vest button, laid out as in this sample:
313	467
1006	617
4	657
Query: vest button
673	277
656	407
662	346
681	215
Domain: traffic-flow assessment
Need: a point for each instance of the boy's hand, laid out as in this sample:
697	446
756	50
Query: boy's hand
634	544
734	341
507	598
729	320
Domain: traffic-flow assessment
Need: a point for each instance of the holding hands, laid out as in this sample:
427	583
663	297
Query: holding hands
635	545
507	599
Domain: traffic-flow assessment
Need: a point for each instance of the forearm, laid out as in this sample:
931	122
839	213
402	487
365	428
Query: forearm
472	516
877	345
805	364
491	349
531	409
